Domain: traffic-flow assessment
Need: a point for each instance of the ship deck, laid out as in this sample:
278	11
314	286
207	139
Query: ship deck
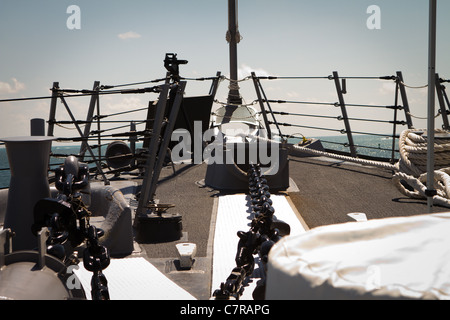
330	189
323	191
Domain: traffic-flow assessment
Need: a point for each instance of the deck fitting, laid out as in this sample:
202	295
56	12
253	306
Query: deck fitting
186	254
153	228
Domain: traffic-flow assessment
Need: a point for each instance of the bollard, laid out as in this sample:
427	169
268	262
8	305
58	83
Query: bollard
28	158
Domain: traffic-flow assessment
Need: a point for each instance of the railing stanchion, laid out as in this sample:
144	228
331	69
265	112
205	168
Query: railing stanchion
344	114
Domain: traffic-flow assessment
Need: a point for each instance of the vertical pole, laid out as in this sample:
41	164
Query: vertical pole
344	114
232	37
431	101
51	117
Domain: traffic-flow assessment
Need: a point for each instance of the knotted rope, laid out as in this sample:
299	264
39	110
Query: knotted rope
412	167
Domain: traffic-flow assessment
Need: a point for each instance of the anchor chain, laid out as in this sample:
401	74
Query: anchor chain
96	259
263	234
67	219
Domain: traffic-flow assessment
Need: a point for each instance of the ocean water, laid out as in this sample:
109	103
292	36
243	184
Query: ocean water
374	146
5	175
377	144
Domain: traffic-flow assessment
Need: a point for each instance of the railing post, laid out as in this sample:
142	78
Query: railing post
261	104
404	100
89	149
344	114
164	145
258	83
215	85
444	94
394	130
152	151
89	118
51	117
439	90
133	139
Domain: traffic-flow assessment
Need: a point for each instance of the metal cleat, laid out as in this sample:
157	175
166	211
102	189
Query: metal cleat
186	253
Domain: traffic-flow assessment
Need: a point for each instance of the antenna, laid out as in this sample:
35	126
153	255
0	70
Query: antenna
233	37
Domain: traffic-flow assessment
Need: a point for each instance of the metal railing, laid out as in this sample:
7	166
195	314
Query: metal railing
100	129
400	106
97	130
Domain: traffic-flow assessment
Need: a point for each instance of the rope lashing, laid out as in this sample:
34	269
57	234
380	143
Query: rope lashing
412	167
238	36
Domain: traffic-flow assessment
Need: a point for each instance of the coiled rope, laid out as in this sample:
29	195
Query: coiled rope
410	173
412	167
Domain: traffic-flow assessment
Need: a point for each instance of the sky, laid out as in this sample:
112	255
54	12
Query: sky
118	42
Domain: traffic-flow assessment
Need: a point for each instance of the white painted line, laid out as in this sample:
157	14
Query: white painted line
358	216
233	215
134	279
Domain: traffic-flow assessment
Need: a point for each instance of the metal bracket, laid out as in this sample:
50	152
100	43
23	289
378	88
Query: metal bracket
157	154
430	192
5	244
42	246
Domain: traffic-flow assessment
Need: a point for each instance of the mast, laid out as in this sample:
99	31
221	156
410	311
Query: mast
431	102
233	37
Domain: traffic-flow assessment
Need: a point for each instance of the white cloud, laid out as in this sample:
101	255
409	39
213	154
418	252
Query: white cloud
6	87
129	35
246	70
293	94
116	104
387	88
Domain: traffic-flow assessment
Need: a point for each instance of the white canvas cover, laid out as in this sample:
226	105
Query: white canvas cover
399	258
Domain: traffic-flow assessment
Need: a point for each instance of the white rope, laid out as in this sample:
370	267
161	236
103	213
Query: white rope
236	104
422	118
234	84
241	80
413	87
366	162
413	167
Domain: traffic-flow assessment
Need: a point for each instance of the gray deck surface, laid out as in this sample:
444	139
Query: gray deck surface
330	189
192	201
327	191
